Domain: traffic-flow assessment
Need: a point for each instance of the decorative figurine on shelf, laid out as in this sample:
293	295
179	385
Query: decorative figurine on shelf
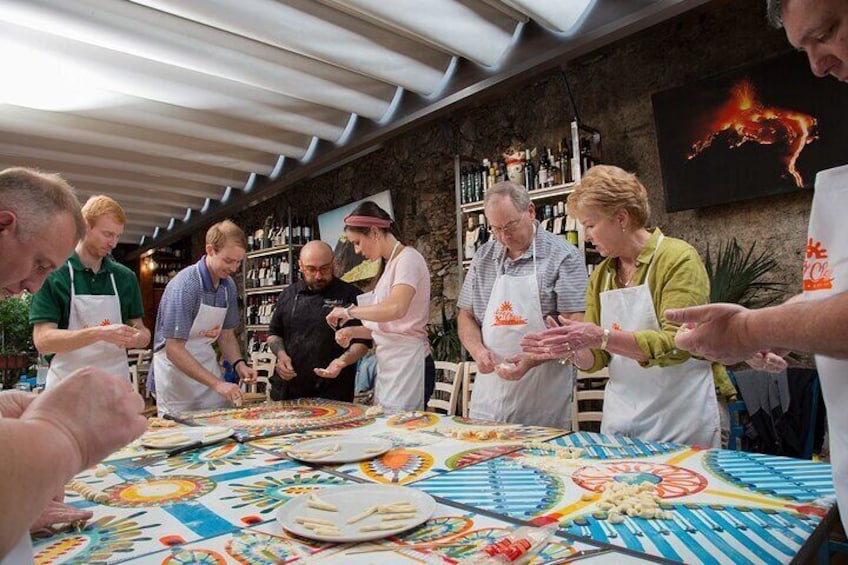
515	163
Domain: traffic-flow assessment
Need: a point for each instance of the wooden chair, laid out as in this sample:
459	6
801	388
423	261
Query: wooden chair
468	376
140	360
260	390
448	382
588	388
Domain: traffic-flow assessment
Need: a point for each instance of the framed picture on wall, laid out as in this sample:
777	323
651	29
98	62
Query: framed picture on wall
350	266
759	131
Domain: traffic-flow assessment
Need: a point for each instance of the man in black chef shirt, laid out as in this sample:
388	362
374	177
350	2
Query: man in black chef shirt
309	361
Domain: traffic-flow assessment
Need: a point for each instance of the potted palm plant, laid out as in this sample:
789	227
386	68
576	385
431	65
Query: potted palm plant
444	338
739	276
16	349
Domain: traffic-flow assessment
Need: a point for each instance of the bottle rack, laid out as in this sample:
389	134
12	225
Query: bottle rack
270	265
549	198
164	263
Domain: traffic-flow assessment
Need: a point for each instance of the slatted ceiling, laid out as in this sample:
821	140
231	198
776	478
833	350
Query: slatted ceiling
171	105
549	13
60	156
468	28
321	33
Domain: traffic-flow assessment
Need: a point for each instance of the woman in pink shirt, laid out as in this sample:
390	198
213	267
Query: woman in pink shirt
394	314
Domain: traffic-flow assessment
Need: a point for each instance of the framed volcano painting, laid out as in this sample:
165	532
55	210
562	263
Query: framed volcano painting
759	131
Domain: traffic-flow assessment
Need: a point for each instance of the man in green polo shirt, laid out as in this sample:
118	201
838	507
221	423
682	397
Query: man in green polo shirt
89	312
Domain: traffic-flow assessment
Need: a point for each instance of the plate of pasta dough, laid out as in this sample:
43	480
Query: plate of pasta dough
354	513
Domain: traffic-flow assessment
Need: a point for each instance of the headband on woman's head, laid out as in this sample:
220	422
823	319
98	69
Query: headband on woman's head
367	222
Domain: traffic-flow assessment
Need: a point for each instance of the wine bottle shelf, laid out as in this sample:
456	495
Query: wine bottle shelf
256	327
265	289
270	251
538	194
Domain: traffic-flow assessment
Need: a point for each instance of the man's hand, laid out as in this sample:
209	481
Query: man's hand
57	512
246	373
230	391
338	317
332	371
514	368
284	366
343	336
770	361
95	413
14	402
485	360
121	335
718	332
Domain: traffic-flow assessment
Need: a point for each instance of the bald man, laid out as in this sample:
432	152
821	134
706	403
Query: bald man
309	361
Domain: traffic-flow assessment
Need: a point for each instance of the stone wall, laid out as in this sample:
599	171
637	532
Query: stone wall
612	90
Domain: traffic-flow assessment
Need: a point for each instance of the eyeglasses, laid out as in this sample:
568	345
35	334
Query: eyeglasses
508	227
323	269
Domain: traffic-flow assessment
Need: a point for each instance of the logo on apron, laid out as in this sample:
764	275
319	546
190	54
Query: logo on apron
817	273
211	333
504	316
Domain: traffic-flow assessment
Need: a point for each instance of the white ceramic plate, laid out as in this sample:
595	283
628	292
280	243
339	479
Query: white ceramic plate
352	500
349	449
173	438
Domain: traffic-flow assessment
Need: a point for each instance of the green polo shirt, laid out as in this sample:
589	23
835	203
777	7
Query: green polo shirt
677	279
53	302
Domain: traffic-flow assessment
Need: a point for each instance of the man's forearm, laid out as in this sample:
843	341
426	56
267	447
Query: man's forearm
35	466
275	344
353	354
49	339
469	332
812	326
229	345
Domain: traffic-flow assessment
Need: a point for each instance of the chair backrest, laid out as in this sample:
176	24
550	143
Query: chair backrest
140	360
263	363
588	388
448	381
468	376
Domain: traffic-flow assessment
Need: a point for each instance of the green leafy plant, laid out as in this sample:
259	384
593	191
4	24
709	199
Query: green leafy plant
737	276
15	331
444	338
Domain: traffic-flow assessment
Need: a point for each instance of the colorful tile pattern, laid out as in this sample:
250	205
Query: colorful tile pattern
725	507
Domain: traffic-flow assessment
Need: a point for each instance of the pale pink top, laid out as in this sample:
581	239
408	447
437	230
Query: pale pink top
409	268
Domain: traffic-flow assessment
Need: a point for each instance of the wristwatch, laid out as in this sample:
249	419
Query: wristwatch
605	338
347	311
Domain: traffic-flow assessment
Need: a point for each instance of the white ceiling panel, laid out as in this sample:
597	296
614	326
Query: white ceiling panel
171	105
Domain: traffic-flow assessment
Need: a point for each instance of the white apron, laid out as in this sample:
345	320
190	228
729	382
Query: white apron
21	554
176	392
86	311
676	403
399	384
543	395
826	274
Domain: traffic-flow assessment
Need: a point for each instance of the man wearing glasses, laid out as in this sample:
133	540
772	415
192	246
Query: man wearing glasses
516	279
309	361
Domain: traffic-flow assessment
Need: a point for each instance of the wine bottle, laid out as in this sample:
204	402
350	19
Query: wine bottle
543	168
482	231
470	245
529	171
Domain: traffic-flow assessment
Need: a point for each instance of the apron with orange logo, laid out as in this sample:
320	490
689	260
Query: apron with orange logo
826	274
543	396
176	392
86	311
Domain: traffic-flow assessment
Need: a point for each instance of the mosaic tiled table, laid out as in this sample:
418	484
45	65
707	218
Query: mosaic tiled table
724	506
217	504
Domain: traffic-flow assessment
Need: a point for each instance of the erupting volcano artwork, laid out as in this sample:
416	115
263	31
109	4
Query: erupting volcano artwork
760	131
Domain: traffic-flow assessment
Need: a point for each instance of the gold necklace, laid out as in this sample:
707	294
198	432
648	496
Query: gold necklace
620	273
